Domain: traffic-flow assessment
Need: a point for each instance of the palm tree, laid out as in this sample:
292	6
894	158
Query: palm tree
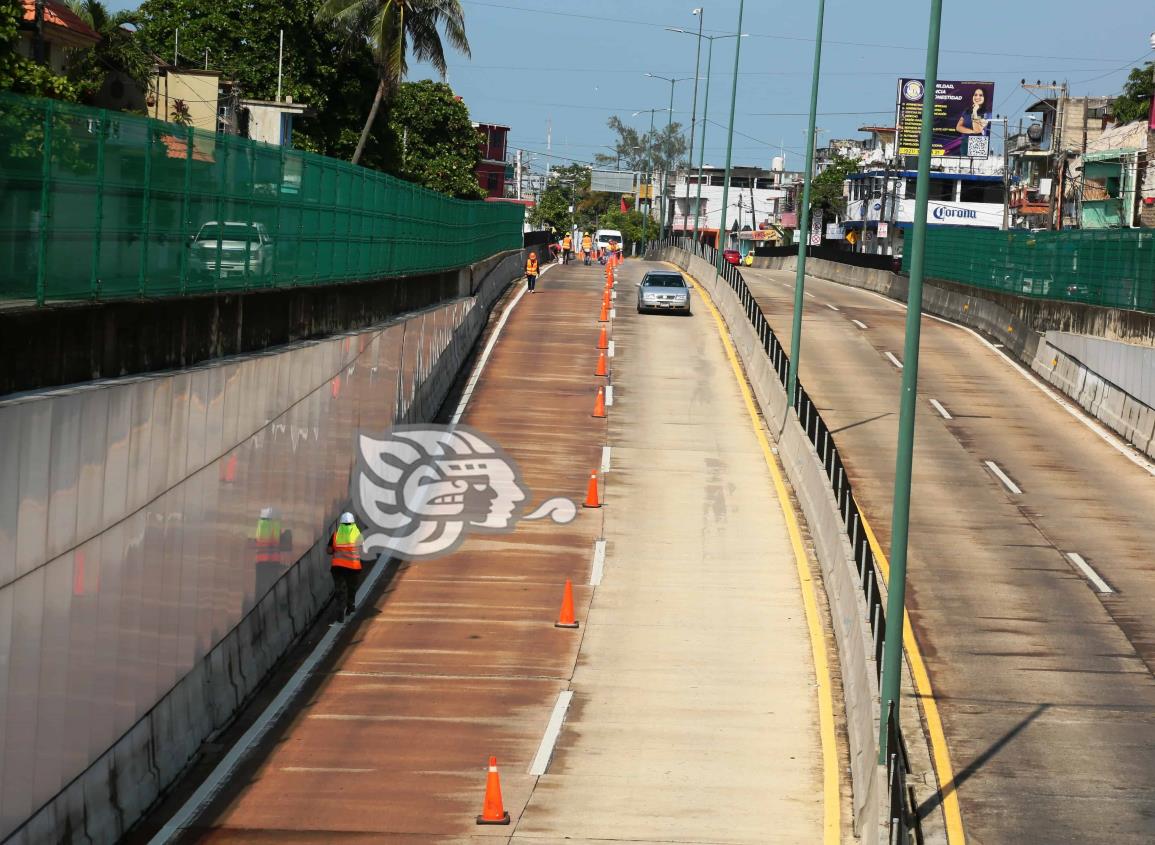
118	50
394	28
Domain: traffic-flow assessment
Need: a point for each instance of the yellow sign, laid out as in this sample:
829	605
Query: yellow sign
645	192
852	236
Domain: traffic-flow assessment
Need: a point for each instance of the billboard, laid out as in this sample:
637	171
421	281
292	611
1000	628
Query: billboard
961	119
612	181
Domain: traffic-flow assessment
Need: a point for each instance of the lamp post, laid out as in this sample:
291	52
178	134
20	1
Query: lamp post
669	123
804	218
650	170
900	520
729	143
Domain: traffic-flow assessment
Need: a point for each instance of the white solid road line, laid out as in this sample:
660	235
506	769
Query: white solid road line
860	324
224	769
552	731
893	359
1003	477
812	296
943	412
609	395
832	307
610	351
1092	576
324	769
598	567
605	459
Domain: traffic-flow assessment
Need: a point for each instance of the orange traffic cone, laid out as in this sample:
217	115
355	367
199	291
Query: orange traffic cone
603	366
604	317
592	493
565	619
600	404
603	339
492	811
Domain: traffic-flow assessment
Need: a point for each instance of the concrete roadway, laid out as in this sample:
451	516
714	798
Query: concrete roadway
694	713
1045	683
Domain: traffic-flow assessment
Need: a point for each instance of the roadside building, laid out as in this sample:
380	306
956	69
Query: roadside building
62	30
493	171
757	200
1102	191
268	121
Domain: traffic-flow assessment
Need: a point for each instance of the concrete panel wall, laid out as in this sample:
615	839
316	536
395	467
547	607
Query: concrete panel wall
1118	343
847	605
135	617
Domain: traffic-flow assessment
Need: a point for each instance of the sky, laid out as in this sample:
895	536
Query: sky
555	71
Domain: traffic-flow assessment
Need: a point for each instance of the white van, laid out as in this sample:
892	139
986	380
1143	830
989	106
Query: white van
603	237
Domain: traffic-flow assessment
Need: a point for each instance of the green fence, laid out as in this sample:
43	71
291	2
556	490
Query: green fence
1115	268
103	205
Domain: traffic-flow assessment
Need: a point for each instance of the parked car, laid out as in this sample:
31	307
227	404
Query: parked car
732	256
237	242
663	290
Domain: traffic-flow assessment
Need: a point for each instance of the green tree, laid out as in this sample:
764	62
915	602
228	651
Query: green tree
826	189
118	50
432	140
394	28
325	67
567	185
19	73
662	150
1135	101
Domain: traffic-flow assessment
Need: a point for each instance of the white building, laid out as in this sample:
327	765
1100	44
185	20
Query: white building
758	198
270	122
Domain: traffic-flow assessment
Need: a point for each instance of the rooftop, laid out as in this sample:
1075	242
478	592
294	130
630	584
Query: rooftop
60	16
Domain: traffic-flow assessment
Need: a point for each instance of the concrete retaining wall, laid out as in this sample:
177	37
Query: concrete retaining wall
1095	365
847	605
135	617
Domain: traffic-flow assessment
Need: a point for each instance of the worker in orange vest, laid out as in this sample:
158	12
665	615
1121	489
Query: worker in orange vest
566	248
531	270
587	248
345	548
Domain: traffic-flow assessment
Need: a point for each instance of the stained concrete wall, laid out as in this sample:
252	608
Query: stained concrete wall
848	608
69	343
135	618
1101	358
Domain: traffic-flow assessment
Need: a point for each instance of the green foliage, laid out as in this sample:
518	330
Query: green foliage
1135	101
19	73
661	150
117	51
628	223
826	189
432	141
566	185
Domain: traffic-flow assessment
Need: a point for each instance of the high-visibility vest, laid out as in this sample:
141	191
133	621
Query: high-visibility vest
567	242
587	242
267	539
531	264
347	547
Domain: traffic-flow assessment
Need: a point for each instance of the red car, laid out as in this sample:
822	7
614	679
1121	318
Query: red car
732	256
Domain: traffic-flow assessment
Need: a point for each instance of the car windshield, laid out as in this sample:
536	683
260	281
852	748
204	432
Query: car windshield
228	232
663	282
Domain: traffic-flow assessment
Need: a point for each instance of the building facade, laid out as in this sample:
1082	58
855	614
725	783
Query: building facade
758	198
493	169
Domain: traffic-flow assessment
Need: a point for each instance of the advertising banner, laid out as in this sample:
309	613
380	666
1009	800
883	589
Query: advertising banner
961	120
835	232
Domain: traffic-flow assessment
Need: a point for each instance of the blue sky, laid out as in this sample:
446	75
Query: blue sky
546	64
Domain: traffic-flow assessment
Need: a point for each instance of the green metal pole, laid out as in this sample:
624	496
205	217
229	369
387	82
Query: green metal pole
650	167
804	218
900	522
702	148
694	113
665	170
729	142
45	218
98	213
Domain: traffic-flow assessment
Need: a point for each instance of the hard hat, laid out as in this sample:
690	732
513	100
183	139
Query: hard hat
347	518
266	513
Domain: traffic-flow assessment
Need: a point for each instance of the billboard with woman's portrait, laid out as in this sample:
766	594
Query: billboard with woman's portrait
961	120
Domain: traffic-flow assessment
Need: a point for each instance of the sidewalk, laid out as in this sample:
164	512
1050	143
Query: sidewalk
694	715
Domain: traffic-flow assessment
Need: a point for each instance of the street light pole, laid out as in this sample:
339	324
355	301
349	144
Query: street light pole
702	146
650	171
804	219
701	13
729	142
669	122
900	521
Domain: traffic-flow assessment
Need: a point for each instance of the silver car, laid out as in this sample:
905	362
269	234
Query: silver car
664	290
227	249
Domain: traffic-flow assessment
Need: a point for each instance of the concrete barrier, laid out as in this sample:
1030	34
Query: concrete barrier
1109	376
137	613
848	608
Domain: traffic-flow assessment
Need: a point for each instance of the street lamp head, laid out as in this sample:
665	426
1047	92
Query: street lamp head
1153	40
697	11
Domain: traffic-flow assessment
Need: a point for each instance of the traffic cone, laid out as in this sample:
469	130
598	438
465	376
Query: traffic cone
592	493
604	317
603	339
600	404
492	811
565	619
603	365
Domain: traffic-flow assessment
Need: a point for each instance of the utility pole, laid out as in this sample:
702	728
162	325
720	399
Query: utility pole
38	35
730	142
669	122
701	13
804	216
900	522
517	167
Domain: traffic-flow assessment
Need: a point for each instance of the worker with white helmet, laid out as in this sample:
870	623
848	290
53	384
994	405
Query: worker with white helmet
345	549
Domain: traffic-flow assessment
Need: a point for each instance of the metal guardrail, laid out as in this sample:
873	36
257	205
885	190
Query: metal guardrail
98	205
826	450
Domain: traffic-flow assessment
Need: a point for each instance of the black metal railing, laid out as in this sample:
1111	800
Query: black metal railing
826	450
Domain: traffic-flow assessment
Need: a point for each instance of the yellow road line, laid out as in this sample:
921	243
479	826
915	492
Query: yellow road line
831	798
944	771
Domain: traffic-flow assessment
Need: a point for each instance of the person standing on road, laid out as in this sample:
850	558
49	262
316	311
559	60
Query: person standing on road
531	269
566	247
345	548
587	248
